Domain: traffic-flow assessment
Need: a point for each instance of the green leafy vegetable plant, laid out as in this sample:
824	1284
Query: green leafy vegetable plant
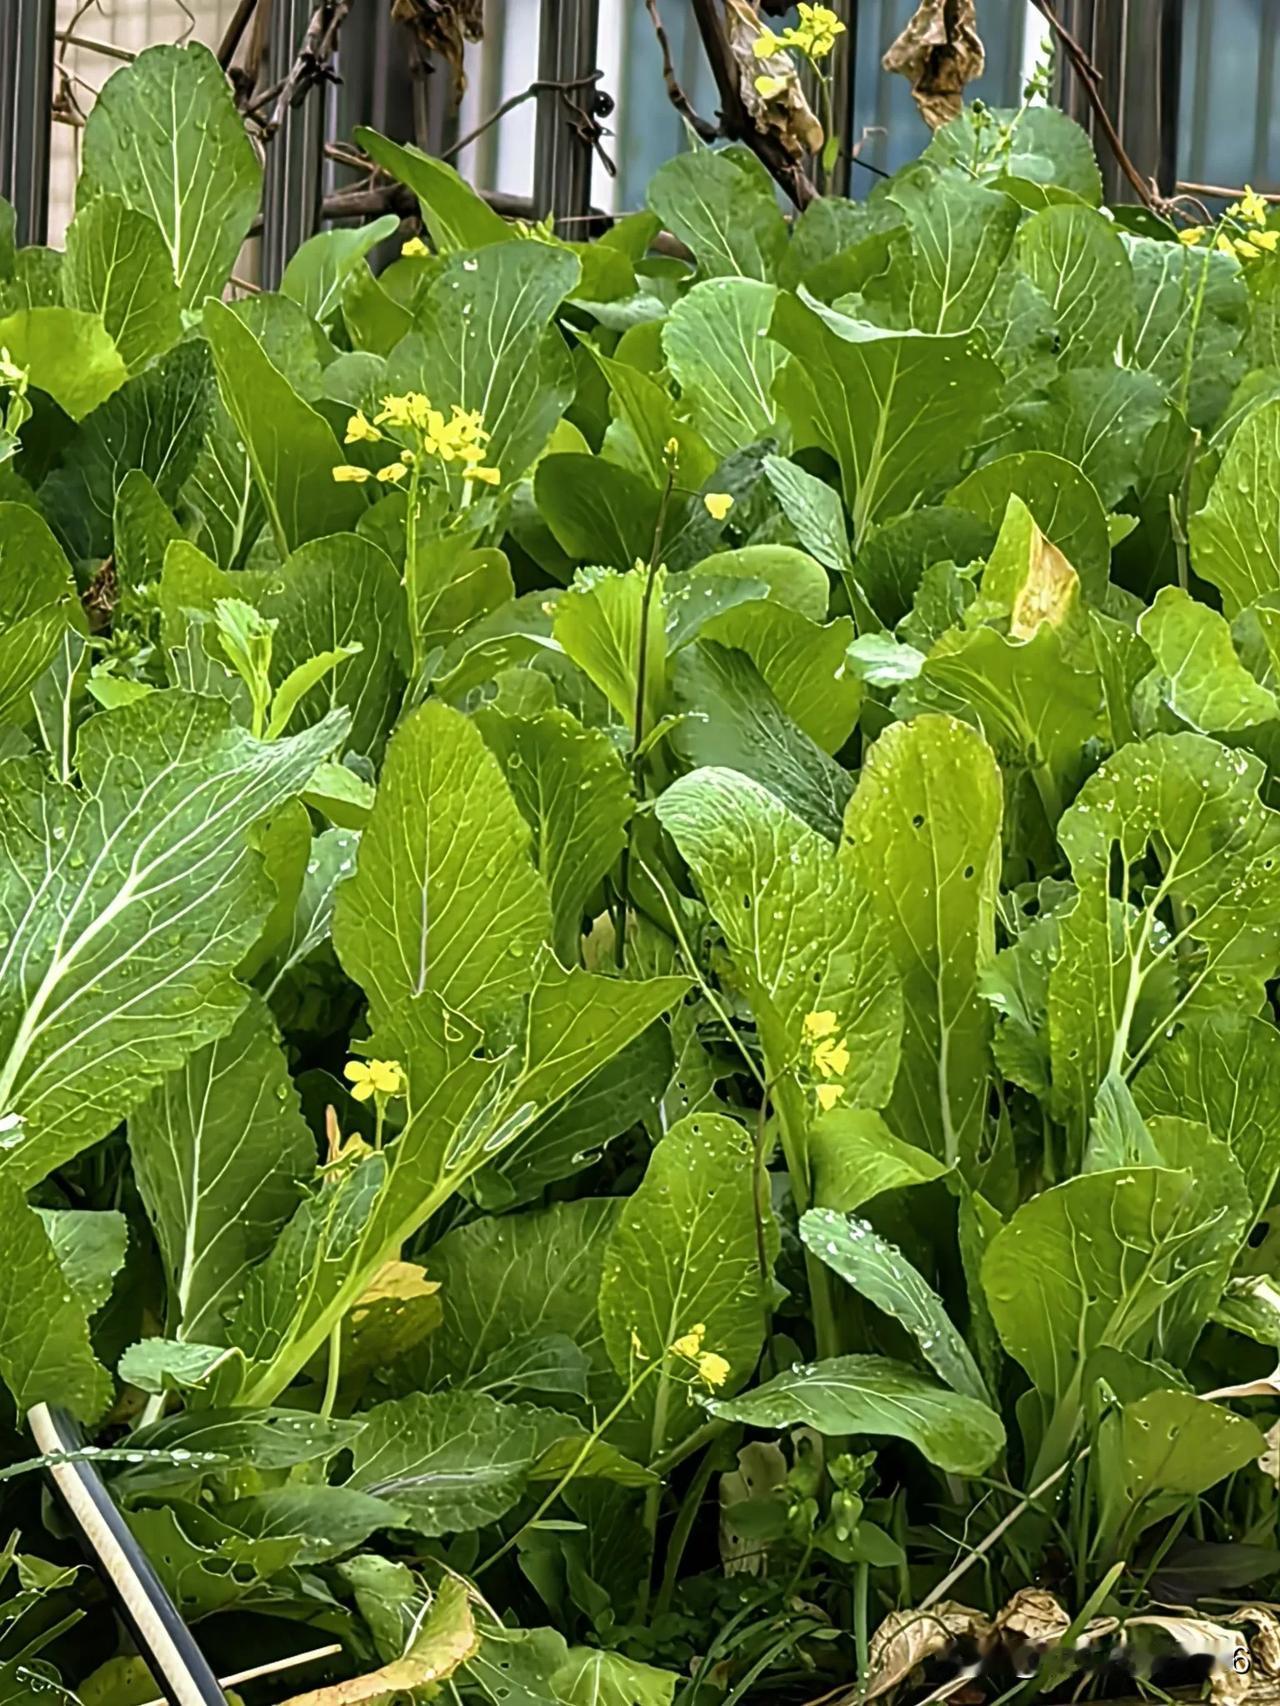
639	910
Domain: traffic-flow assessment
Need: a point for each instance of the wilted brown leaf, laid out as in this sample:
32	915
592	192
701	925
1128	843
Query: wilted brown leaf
762	1469
444	27
938	53
1047	595
447	1639
907	1638
783	111
1029	1624
1230	1673
1264	1632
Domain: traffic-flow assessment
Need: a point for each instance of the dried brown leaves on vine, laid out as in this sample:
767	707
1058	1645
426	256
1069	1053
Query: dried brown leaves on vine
939	53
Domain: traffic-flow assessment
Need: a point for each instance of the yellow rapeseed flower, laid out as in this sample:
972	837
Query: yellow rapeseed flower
1251	207
831	1058
486	476
828	1095
361	430
369	1078
718	504
766	43
415	246
347	474
816	33
1192	235
1268	240
768	87
392	472
712	1368
819	1025
689	1345
1244	247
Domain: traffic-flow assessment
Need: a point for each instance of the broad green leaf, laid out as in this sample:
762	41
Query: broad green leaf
815	512
646	420
66	352
1235	538
453	1461
332	859
1098	418
723	206
171	1365
1065	506
597	511
1167	1446
90	1245
291	449
574	792
45	1354
607	622
908	568
686	1251
511	1279
1192	805
792	579
923	838
1090	1263
733	721
1193	311
124	927
204	1564
336	592
1044	147
873	1267
143	527
220	1150
589	1677
164	135
959	235
318	270
37	605
153	423
879	1397
801	931
118	267
1251	1305
1077	260
856	1157
267	1439
488	344
1224	1070
1203	681
717	344
462	1108
896	410
568	1138
228	508
454	215
1222	1200
328	1521
803	663
445	896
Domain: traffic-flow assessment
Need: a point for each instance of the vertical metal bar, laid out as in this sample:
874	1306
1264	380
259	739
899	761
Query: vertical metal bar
1172	27
1269	26
1200	98
843	88
563	158
295	154
26	101
1136	46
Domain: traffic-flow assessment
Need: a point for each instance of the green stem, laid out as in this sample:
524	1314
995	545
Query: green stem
334	1372
411	587
861	1635
597	1433
637	721
685	1519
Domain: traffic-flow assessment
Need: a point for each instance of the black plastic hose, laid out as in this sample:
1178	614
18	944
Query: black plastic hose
180	1669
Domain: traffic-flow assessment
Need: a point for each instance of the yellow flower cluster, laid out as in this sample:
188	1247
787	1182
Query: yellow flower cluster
711	1368
369	1078
814	36
459	438
829	1055
1250	245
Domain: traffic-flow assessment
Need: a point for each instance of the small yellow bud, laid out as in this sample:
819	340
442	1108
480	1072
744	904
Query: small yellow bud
718	504
1191	235
486	476
392	472
414	247
346	474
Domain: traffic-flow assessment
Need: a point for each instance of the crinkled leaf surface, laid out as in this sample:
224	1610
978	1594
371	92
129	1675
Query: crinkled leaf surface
127	903
165	137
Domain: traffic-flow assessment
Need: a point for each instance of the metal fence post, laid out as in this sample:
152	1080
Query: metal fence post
1137	48
26	103
563	153
295	154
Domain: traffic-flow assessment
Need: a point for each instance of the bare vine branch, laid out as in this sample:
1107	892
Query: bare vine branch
236	26
736	121
675	93
1147	190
